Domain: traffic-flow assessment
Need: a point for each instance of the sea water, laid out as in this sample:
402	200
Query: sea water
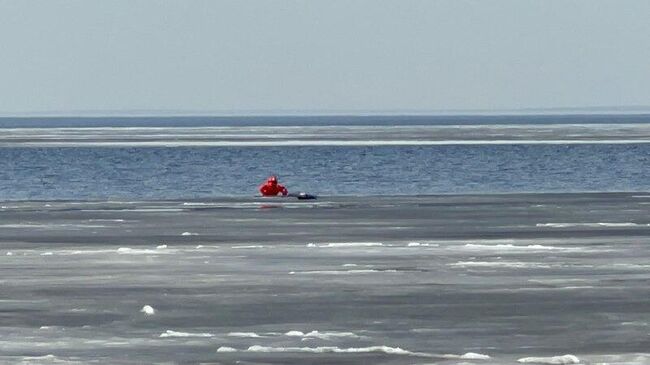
60	160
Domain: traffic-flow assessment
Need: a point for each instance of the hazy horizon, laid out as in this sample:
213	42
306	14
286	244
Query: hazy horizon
322	57
625	110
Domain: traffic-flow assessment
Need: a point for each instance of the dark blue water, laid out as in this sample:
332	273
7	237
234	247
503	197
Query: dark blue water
201	172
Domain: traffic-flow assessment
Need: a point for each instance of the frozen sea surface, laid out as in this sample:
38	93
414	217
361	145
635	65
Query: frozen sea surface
465	279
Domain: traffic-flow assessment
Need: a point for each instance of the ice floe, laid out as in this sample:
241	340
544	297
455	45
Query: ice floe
170	333
226	349
148	310
48	357
342	272
142	251
335	349
244	334
598	224
322	335
511	247
552	360
346	244
467	356
421	244
501	264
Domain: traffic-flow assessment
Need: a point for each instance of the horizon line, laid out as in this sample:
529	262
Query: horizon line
631	110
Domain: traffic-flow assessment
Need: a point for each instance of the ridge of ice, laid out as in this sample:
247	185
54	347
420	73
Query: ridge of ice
148	310
552	360
595	224
334	349
467	356
244	334
170	333
513	247
501	264
226	349
346	244
322	335
342	272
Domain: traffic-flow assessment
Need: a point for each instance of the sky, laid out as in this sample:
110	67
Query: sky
319	57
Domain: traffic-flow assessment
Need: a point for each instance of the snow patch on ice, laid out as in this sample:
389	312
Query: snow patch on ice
170	333
148	310
597	224
504	247
334	349
346	244
141	251
322	335
474	356
342	272
244	334
553	360
467	356
421	244
48	357
226	349
501	264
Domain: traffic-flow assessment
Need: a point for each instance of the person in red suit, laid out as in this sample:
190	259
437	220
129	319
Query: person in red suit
272	188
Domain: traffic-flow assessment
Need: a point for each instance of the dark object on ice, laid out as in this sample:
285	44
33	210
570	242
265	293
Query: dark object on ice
305	196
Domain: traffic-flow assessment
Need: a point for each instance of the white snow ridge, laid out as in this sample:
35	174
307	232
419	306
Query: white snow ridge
467	356
474	356
553	360
346	244
170	333
334	349
592	225
328	349
148	310
244	334
322	335
226	349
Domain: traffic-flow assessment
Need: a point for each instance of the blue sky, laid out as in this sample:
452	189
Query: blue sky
231	57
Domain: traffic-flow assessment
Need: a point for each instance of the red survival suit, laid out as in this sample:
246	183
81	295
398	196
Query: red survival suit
272	188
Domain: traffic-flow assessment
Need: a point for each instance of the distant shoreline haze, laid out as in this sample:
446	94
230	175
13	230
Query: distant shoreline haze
317	120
